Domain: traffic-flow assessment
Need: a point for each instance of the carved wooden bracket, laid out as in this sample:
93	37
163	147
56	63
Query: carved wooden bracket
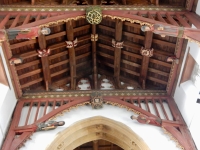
71	44
146	52
43	52
117	44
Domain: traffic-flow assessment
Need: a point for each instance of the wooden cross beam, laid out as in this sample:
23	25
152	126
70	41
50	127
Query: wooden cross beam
145	59
45	62
72	57
117	51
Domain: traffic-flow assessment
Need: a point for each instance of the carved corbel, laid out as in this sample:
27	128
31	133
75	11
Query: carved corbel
71	44
117	44
146	52
43	52
94	37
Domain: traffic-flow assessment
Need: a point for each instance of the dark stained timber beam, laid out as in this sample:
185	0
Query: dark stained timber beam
145	59
117	51
72	58
94	55
45	63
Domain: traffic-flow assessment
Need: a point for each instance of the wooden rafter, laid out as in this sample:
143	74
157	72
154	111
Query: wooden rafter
117	51
145	59
94	55
45	62
72	58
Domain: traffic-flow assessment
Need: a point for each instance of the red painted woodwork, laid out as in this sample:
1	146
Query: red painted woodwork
171	80
12	144
11	68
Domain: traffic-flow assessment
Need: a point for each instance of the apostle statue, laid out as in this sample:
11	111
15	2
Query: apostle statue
49	125
148	120
173	59
27	33
14	61
174	31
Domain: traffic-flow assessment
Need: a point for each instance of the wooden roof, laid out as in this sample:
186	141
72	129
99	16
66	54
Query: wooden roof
30	72
63	68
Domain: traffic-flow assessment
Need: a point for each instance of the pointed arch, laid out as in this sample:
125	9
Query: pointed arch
96	128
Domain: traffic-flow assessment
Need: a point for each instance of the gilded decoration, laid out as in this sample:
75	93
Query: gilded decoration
170	76
122	106
59	21
68	110
88	93
191	40
129	20
173	139
94	14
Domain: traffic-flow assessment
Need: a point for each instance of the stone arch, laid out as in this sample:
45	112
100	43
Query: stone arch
96	128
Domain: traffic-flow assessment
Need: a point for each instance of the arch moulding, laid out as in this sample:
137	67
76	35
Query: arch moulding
96	128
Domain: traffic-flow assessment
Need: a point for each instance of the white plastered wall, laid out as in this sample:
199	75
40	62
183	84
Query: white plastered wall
153	136
7	103
186	94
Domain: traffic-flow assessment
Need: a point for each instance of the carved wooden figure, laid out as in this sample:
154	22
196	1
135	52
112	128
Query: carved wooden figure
49	125
27	33
170	30
148	120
